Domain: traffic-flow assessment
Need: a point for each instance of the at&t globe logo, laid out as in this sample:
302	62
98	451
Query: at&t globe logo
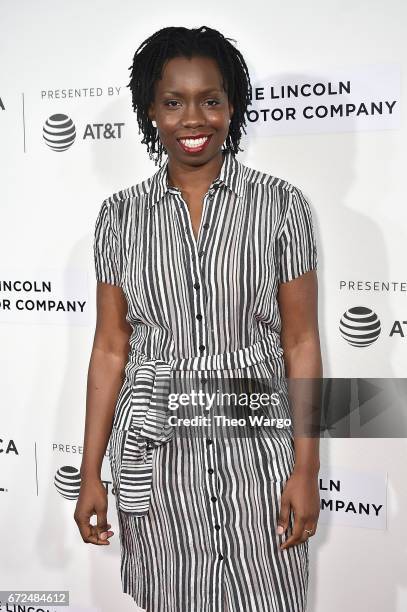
67	481
360	326
59	132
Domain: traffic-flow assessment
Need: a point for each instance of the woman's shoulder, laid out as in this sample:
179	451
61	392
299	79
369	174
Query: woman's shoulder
268	186
268	180
136	191
123	201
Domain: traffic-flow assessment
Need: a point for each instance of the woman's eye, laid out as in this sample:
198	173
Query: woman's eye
173	103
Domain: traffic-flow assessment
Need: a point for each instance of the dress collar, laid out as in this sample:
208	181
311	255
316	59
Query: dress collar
231	174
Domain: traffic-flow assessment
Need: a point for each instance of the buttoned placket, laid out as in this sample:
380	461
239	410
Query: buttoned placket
196	250
196	254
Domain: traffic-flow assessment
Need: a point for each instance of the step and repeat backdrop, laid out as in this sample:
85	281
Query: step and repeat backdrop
326	115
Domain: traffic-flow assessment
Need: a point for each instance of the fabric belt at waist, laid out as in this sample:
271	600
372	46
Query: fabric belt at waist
141	424
268	348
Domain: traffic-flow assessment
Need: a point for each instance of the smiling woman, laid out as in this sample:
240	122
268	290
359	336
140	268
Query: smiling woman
226	86
184	101
207	272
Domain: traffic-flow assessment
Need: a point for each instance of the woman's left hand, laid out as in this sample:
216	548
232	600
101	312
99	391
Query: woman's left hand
301	494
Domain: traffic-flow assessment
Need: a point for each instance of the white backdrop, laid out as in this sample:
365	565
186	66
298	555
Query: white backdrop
344	146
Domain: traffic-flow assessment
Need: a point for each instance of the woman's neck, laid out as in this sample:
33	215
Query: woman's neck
191	178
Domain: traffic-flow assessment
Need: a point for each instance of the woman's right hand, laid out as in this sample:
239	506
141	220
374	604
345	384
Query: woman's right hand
93	500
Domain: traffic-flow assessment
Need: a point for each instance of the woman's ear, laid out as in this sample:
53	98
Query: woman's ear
231	109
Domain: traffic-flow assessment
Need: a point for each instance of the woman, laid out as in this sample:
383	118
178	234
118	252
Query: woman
203	269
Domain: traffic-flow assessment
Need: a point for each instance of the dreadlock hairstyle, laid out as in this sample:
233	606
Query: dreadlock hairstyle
148	63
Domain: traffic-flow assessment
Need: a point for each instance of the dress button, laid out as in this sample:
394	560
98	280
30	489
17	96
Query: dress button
205	225
214	499
202	347
220	557
204	380
209	441
197	286
211	470
201	253
199	317
217	527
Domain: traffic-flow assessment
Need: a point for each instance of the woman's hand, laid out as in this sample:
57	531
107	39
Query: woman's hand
301	493
92	500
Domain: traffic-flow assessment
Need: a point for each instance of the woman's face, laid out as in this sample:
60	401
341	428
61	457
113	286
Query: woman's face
190	102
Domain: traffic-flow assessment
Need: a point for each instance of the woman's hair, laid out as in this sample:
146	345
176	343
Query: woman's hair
171	42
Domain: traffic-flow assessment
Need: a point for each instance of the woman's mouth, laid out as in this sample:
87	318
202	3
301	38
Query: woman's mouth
194	145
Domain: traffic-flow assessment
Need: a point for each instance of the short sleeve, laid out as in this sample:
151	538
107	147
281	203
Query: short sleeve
106	245
297	243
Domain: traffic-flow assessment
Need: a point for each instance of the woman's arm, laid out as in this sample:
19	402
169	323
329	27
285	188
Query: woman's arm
298	303
105	377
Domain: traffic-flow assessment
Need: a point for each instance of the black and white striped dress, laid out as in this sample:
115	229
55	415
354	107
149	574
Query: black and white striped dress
197	513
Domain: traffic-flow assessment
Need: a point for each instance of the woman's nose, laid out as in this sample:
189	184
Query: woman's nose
193	115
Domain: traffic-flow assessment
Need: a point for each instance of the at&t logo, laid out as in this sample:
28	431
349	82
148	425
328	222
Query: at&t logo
59	132
360	326
67	481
